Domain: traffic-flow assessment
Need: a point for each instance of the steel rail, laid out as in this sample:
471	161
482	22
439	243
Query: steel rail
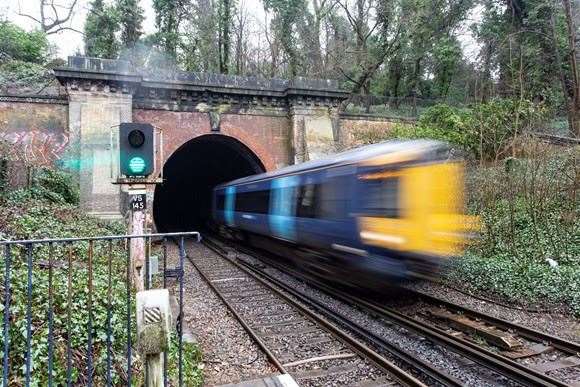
273	359
488	359
409	359
559	343
363	350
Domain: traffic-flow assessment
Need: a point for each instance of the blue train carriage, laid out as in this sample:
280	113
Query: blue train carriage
386	210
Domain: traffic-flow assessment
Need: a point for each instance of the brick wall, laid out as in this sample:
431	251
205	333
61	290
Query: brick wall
33	133
266	136
351	124
36	131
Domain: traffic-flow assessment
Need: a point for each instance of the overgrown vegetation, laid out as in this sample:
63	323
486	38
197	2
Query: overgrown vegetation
48	209
488	131
529	249
525	192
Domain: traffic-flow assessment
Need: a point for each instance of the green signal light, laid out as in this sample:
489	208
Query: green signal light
137	165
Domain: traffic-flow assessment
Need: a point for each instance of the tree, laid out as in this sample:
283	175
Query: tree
574	93
100	28
53	16
168	17
287	13
225	10
17	44
130	19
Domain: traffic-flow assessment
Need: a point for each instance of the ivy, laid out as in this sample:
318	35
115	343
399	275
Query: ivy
45	211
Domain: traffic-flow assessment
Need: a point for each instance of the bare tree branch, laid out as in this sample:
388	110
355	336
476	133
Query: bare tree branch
52	24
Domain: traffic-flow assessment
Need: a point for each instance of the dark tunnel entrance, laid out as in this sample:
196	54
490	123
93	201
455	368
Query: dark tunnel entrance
183	201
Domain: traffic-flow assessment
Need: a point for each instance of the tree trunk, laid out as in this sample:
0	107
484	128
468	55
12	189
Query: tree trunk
574	106
225	33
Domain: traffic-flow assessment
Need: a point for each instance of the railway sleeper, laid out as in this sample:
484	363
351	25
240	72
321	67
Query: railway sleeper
490	334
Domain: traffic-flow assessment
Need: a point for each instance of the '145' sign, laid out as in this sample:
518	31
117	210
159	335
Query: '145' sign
138	202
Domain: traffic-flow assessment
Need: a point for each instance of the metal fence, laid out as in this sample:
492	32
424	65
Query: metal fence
399	107
555	121
68	308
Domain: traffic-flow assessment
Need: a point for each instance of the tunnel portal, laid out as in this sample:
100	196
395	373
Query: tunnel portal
183	201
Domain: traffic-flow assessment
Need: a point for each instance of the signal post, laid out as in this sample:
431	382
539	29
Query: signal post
137	169
137	150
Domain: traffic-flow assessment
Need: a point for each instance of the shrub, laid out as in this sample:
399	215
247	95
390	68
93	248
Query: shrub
19	74
17	44
494	127
56	185
529	211
488	131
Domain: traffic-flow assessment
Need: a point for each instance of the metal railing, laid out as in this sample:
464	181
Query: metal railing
68	308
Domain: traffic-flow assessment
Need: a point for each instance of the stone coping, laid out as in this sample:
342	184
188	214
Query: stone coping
31	98
81	67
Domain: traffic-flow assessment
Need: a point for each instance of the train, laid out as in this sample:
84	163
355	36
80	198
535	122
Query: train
375	215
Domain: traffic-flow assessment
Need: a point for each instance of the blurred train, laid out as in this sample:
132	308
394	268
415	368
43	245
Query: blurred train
371	216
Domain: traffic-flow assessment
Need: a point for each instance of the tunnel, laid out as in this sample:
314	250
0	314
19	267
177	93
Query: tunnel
183	201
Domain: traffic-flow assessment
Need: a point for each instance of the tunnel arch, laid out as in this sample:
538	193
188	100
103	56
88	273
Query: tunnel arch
183	201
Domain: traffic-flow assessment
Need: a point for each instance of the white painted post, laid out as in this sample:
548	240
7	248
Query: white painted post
138	211
138	248
153	327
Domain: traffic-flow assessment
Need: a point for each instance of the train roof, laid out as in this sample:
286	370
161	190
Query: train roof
349	157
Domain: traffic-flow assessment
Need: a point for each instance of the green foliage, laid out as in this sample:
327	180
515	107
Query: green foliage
50	185
19	45
56	185
26	217
519	282
287	14
488	131
19	74
167	22
131	17
446	56
529	210
494	127
192	363
100	27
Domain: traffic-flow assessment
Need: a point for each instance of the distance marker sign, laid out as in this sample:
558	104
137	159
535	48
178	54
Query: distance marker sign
138	202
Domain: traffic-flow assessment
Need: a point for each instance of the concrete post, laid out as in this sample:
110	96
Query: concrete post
153	327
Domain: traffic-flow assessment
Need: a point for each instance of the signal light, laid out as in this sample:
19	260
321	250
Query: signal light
136	149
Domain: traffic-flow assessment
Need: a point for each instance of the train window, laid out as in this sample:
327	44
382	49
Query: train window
382	197
220	201
307	195
333	201
257	202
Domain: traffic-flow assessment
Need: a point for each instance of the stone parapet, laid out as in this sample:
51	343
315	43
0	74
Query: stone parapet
183	91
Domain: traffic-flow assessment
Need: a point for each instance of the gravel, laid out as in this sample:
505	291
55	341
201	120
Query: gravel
309	352
469	373
229	354
555	324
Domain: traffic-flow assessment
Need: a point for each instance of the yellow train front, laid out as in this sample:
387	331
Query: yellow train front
370	217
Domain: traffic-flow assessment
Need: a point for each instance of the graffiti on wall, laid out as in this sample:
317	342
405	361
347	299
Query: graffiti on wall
33	134
34	147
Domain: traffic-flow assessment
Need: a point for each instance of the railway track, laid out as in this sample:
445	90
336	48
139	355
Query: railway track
538	350
465	338
296	340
